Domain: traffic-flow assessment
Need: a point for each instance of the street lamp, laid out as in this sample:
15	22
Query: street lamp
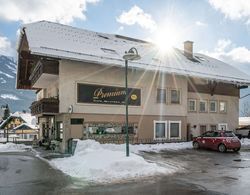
132	54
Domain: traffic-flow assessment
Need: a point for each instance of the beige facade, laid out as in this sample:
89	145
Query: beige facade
229	118
143	117
173	97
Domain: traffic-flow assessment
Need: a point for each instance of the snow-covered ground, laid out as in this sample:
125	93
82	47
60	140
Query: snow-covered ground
150	147
107	162
10	147
245	142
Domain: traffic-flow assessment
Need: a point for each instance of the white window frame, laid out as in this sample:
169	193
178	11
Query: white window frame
164	100
195	105
166	131
170	94
225	107
205	106
222	124
169	132
216	106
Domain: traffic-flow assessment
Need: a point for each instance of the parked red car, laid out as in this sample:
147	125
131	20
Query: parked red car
217	140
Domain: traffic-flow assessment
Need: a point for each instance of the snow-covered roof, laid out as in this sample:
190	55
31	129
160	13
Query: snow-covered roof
244	121
66	42
26	124
30	120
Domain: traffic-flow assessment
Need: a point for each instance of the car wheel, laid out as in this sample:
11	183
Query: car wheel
196	145
222	148
236	149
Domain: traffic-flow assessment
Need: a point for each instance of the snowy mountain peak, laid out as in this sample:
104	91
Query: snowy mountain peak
17	99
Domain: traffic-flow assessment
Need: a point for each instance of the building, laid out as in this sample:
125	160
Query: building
79	79
244	127
19	124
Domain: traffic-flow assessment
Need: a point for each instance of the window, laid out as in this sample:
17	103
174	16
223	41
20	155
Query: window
203	129
208	134
223	107
109	51
175	129
213	106
161	95
213	127
76	121
160	129
229	134
191	105
222	126
59	130
203	106
110	128
175	96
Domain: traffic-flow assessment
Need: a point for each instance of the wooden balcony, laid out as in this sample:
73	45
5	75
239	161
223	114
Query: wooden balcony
45	106
44	73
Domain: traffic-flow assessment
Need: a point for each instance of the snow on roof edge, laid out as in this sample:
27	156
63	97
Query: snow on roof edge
202	75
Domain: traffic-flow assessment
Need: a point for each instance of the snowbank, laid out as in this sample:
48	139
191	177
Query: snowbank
10	147
245	142
150	147
107	163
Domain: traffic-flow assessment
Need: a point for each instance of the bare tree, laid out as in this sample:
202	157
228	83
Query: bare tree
245	109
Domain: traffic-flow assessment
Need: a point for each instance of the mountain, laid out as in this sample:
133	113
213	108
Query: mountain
18	100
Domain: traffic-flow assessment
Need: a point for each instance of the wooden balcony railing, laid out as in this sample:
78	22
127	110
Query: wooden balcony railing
45	106
44	67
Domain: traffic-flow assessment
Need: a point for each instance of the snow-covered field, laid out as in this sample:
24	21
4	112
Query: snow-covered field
107	162
10	147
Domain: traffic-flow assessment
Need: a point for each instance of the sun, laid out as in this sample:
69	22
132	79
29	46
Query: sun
166	38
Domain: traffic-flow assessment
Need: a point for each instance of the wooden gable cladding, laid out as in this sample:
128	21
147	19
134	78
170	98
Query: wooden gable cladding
27	65
212	87
23	73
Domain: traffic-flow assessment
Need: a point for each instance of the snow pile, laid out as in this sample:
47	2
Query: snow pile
245	142
150	147
10	147
98	163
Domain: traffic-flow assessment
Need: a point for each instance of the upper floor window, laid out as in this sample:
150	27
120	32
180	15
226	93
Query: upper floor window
191	105
175	96
213	127
223	107
161	95
203	129
175	129
203	106
213	106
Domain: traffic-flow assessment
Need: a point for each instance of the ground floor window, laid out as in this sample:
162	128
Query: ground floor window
203	129
160	129
175	129
110	128
59	130
213	127
222	126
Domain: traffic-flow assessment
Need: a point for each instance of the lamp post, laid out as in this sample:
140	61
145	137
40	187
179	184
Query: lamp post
131	55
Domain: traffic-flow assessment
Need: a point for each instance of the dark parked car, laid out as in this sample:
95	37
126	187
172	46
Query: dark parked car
217	140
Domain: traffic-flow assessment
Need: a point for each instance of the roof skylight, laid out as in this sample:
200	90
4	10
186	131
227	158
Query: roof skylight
109	51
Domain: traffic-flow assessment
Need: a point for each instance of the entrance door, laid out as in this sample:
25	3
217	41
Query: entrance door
222	126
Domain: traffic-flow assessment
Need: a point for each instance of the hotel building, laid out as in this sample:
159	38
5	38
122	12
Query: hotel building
79	80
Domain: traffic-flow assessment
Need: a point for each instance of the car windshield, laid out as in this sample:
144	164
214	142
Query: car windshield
229	134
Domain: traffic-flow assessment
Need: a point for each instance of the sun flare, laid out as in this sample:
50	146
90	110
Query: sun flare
166	38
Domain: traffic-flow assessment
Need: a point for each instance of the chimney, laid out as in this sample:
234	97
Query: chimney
188	49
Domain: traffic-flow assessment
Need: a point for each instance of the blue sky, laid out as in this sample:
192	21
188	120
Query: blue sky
218	28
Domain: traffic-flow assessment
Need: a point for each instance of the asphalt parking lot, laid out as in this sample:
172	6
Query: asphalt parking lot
200	172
